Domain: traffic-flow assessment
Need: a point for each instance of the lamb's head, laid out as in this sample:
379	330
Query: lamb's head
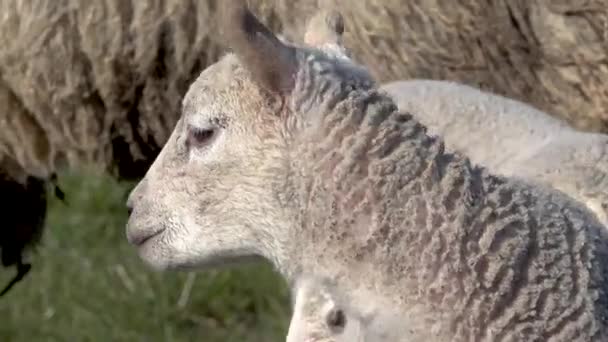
321	313
317	316
217	191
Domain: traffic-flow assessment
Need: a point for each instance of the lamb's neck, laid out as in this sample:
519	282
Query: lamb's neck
367	181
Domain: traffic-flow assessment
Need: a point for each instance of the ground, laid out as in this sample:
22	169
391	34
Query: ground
88	284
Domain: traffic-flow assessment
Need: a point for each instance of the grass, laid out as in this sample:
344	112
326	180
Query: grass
88	284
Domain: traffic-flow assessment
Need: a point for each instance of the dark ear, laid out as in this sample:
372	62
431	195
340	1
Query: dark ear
272	64
325	27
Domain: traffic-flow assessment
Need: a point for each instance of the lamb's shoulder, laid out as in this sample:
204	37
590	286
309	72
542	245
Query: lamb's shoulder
507	249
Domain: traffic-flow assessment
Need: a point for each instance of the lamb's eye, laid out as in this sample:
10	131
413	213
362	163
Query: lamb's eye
198	137
336	320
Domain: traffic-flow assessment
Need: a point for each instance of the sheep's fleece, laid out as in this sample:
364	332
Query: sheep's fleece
101	81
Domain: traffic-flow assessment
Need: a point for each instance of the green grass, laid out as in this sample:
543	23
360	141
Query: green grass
88	284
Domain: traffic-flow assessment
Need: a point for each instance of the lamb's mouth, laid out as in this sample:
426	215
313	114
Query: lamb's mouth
138	239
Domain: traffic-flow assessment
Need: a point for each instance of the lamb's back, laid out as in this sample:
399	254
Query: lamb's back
474	122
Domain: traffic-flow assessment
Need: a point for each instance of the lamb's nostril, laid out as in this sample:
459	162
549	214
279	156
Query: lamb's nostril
129	210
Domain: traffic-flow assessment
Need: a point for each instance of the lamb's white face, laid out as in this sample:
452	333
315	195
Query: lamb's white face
206	199
317	317
324	313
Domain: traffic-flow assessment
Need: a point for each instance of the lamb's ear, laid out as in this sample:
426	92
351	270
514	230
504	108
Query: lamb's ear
325	27
272	63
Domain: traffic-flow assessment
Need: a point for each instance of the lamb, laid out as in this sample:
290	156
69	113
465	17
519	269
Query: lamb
320	316
511	138
100	82
290	154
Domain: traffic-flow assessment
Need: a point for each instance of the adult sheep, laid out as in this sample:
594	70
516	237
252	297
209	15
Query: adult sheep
511	138
294	155
100	82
